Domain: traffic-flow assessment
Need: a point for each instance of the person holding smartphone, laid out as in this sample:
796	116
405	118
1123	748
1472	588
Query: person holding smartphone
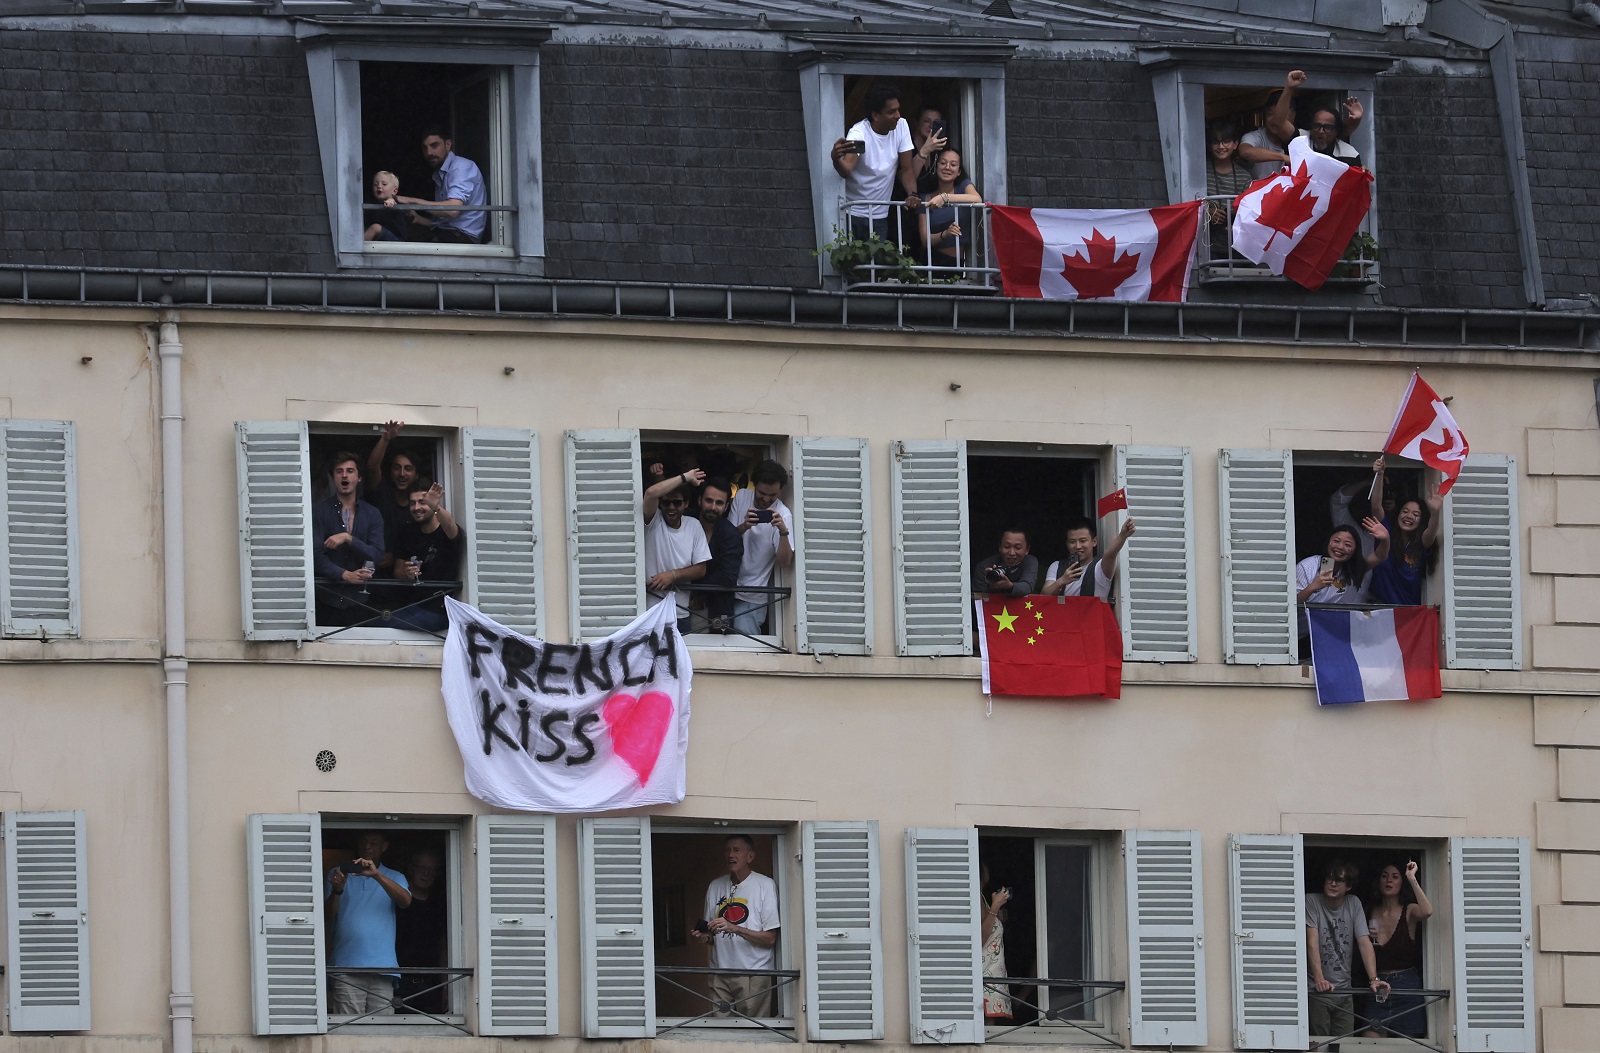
1339	574
872	155
363	897
1082	574
765	522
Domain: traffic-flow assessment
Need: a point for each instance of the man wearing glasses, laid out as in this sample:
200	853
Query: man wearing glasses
1336	930
675	552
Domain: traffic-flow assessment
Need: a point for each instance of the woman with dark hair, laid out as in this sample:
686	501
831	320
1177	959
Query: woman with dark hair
996	1002
1226	175
940	226
1413	535
1338	575
1395	914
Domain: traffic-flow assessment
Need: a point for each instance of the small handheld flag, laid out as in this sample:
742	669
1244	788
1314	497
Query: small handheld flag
1112	502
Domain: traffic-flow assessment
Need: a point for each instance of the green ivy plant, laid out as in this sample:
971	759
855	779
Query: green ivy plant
850	254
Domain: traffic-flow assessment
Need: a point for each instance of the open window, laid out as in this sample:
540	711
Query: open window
963	80
376	93
687	861
1281	506
1195	85
283	473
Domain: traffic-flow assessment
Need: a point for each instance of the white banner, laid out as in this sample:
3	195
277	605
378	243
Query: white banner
546	727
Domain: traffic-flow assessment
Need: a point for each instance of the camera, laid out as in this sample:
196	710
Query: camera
994	573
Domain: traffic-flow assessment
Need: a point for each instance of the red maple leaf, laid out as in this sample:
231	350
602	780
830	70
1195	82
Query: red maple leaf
1099	272
1287	205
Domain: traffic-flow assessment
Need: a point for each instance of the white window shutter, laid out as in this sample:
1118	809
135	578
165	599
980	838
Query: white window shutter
946	949
833	550
517	992
616	928
843	937
275	529
39	569
500	513
288	981
1493	938
1267	909
605	532
47	921
1155	589
1483	566
932	590
1258	593
1166	927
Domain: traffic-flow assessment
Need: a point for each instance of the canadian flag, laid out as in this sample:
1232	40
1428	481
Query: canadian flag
1425	431
1299	222
1090	254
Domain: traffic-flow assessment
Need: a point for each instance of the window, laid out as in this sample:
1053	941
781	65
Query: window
1276	508
1477	948
376	93
428	933
952	499
1192	86
282	470
837	933
512	981
685	860
46	910
606	475
39	539
964	80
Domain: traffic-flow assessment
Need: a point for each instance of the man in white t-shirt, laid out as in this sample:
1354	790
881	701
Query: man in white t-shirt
869	169
741	926
675	551
765	522
1071	576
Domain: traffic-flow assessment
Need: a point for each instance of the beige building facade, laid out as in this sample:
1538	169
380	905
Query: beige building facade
1158	844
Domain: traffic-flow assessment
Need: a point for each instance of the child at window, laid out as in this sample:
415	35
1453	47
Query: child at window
1226	175
390	224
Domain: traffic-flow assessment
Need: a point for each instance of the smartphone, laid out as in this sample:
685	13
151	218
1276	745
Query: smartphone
702	926
351	867
857	146
937	131
1325	565
763	515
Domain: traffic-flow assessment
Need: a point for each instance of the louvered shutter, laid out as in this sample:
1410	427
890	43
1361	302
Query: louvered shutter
1493	936
1166	923
275	529
616	928
605	532
501	518
933	597
945	956
833	550
1266	873
1258	593
1155	594
516	925
844	941
1483	567
47	921
287	979
39	580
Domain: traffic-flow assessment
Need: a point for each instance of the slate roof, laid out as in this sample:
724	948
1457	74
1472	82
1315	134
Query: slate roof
144	146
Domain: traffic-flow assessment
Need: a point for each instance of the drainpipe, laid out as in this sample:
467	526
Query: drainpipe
175	681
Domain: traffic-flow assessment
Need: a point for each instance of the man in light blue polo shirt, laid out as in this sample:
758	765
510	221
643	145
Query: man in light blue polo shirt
361	911
456	181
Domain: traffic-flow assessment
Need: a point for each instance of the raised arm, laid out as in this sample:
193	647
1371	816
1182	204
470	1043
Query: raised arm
375	458
844	158
1353	112
1435	502
1423	907
1380	541
1375	505
447	522
1108	558
653	496
1280	122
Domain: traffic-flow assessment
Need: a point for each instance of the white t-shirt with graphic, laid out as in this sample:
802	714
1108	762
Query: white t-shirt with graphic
751	904
760	543
668	549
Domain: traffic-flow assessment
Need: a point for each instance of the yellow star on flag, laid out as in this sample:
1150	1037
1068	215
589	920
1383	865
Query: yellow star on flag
1030	641
1005	618
1039	631
1038	616
1029	604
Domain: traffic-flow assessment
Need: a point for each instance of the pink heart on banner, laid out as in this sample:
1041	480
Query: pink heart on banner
638	726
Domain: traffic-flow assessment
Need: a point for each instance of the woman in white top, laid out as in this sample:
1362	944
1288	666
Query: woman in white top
1343	578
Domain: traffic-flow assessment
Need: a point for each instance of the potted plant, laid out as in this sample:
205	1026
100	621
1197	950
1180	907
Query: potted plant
1359	257
852	258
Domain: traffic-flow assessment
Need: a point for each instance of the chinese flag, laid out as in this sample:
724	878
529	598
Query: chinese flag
1054	646
1111	502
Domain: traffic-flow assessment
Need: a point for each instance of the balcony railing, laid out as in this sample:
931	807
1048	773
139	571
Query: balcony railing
1216	260
1055	1014
1385	1016
411	1005
864	257
717	1008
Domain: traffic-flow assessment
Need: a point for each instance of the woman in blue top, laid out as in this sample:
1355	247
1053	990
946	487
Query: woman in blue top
940	229
1413	535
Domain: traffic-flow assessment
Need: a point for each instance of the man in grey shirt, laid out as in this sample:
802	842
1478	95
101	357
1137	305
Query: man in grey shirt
1010	571
1335	923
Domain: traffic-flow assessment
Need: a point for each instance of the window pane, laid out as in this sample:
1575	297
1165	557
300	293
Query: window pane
1067	926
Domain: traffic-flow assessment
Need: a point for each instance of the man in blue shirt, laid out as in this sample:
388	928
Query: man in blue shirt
361	912
456	181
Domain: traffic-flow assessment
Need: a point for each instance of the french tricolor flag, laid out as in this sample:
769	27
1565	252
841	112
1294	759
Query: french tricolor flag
1375	656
